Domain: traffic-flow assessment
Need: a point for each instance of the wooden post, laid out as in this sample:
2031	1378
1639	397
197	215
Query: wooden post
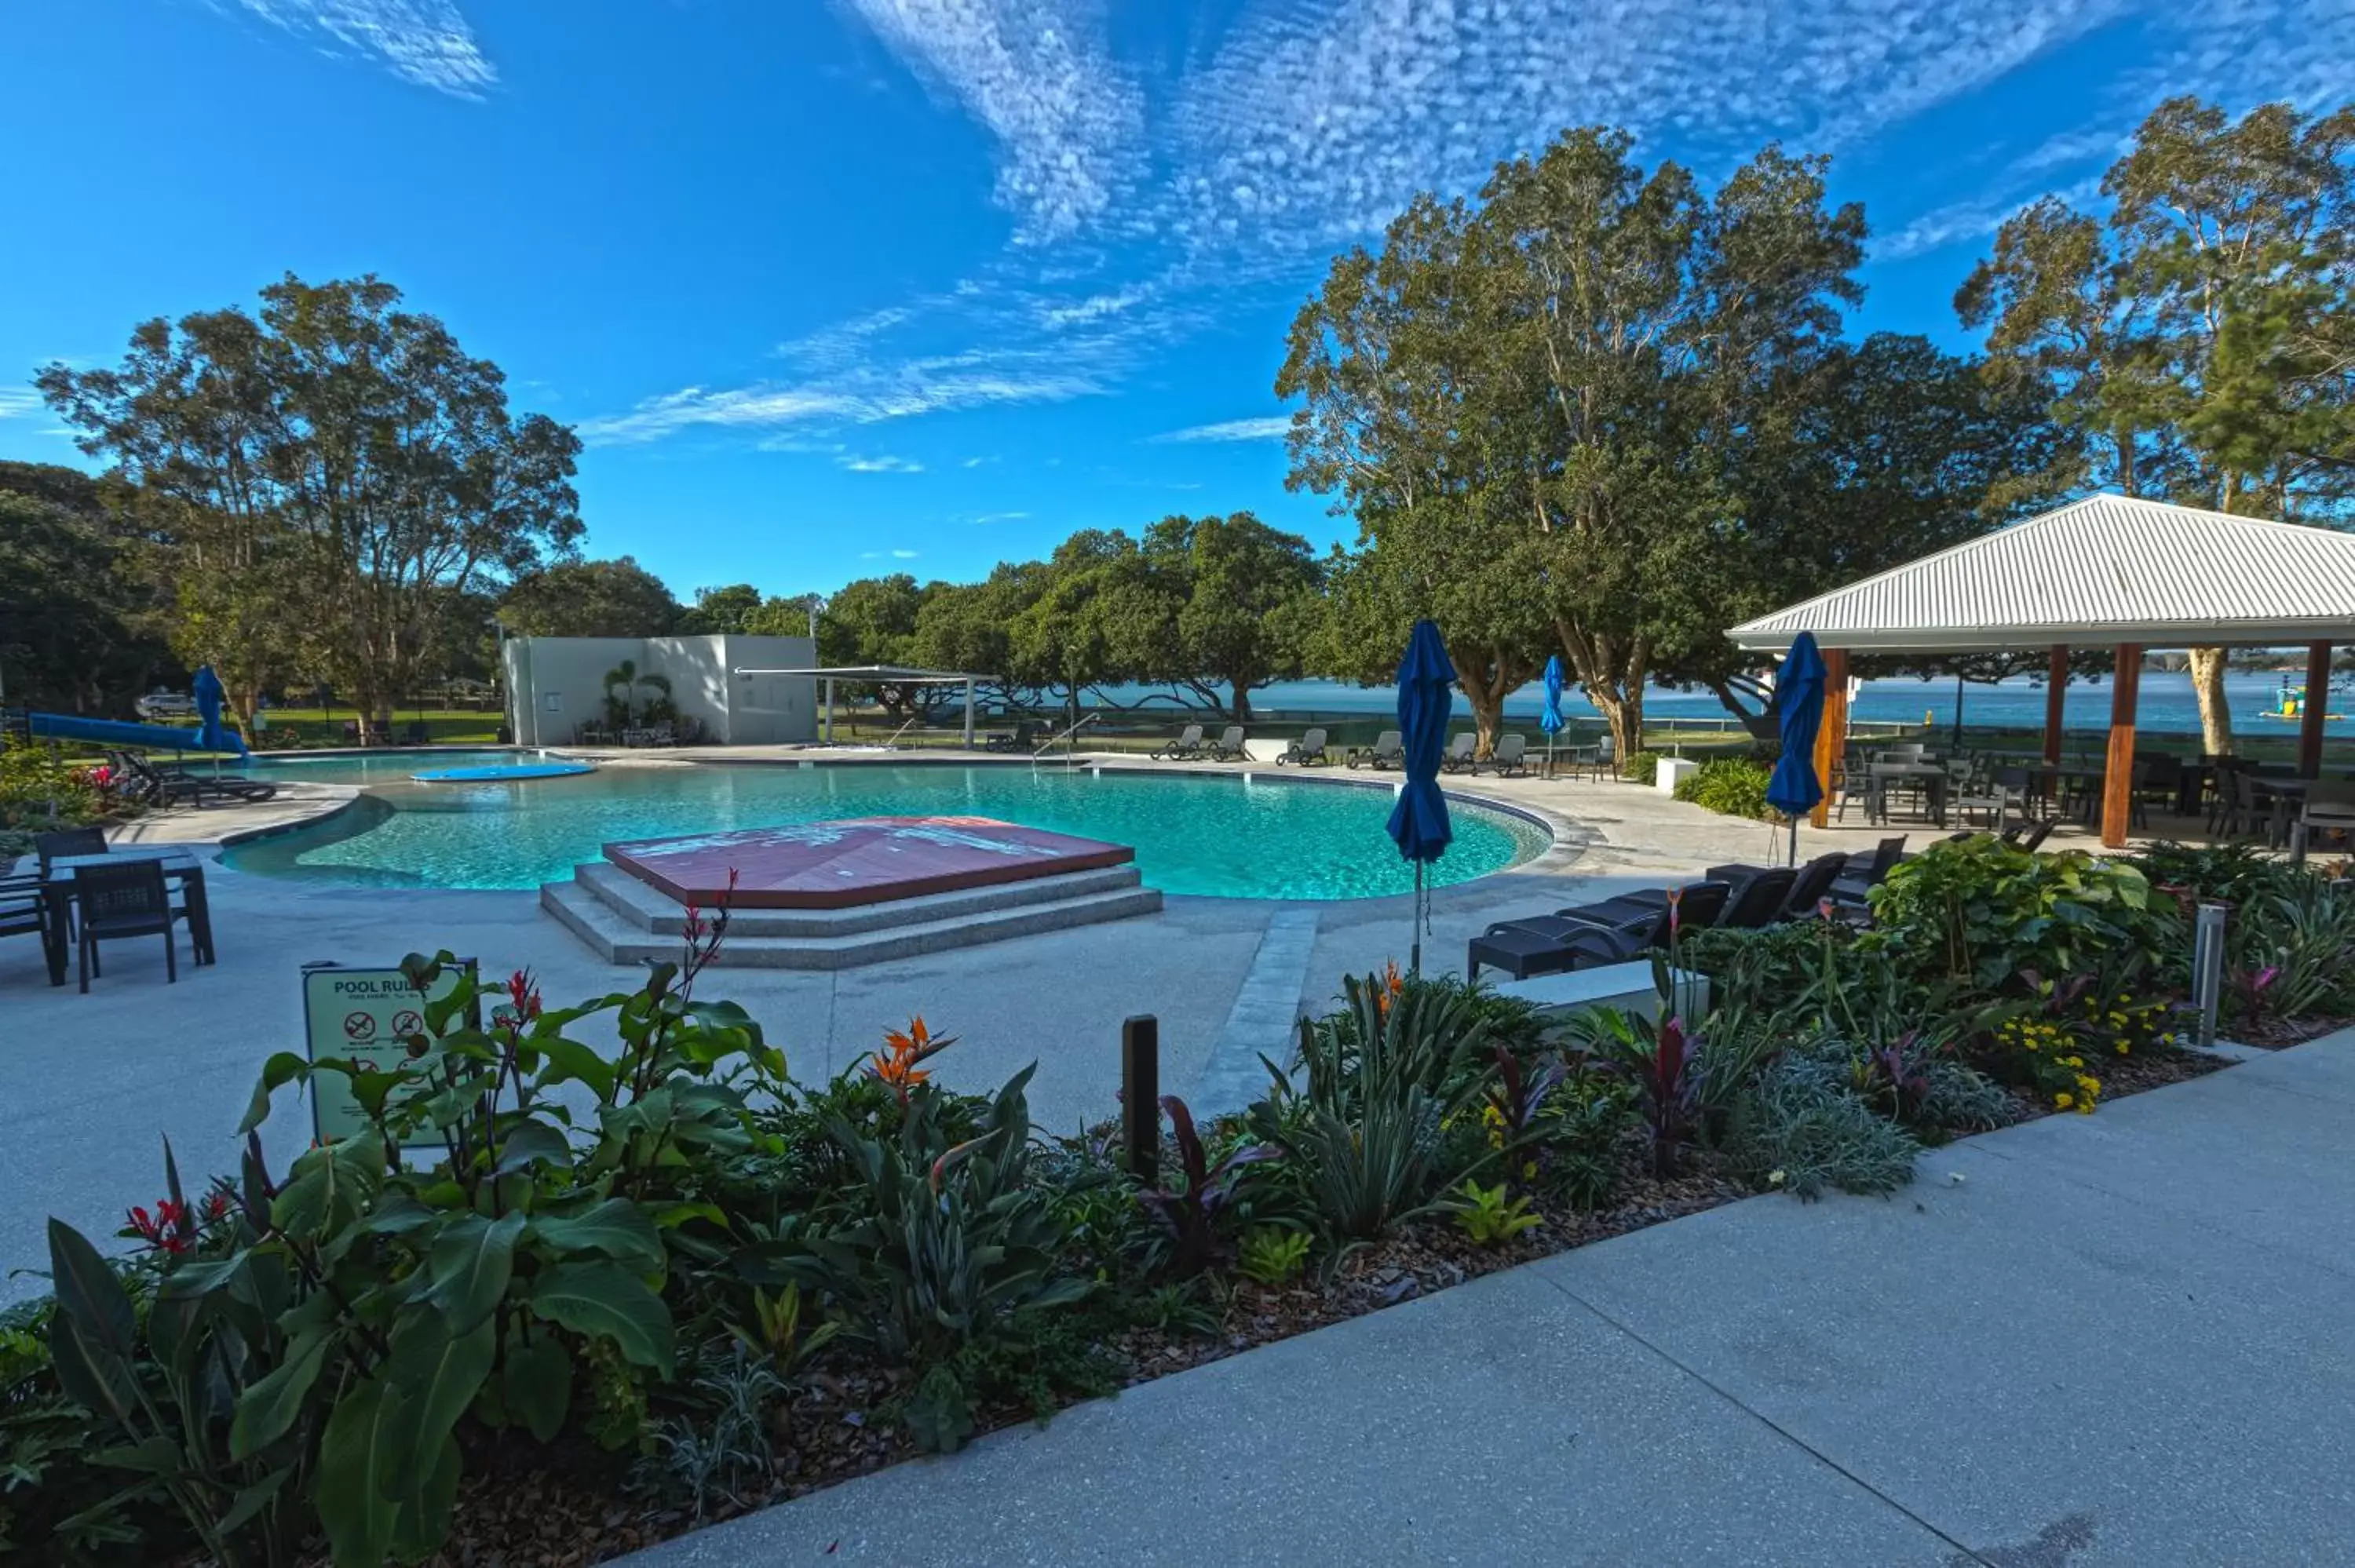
2317	700
2117	781
1832	736
2056	691
1140	1095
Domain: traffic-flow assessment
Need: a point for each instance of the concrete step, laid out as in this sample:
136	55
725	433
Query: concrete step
647	910
620	941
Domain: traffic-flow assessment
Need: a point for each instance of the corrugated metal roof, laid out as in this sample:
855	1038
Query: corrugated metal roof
2107	570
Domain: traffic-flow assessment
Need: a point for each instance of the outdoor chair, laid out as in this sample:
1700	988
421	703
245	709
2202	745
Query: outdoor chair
1458	758
1188	743
51	846
1308	751
1020	740
21	912
1389	750
126	900
1523	954
1229	746
1813	885
1595	762
1758	901
1511	756
2029	836
1699	905
415	733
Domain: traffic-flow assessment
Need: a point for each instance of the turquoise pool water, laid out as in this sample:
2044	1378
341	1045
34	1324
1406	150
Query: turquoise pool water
381	767
1220	836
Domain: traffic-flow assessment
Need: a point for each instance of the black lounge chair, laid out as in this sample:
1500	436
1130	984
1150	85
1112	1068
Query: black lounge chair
1865	872
1308	751
1459	753
171	784
1759	901
1511	756
2029	836
1229	746
1389	750
1699	904
1022	739
1524	953
1188	743
1809	887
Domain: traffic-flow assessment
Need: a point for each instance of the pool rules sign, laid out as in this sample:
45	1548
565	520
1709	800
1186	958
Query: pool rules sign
365	1016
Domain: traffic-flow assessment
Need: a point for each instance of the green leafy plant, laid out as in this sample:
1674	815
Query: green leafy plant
1191	1210
1731	786
1979	911
1273	1255
1641	768
1661	1062
1491	1216
1801	1128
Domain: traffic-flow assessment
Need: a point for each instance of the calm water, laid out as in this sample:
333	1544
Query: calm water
2165	704
1222	836
384	767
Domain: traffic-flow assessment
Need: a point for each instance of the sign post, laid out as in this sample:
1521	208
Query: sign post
366	1017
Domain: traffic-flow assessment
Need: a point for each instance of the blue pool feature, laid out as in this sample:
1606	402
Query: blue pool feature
1220	836
493	770
383	766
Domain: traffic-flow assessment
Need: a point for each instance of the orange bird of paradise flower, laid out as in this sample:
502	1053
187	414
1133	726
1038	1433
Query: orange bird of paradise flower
895	1064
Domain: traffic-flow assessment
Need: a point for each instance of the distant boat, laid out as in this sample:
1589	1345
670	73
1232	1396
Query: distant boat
2289	702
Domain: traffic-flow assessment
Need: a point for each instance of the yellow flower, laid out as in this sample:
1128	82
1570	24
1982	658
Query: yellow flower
2063	1100
2122	1048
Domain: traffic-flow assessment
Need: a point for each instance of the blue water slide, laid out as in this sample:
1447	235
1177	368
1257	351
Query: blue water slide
144	736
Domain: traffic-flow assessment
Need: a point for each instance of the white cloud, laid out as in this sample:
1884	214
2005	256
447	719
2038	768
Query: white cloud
988	517
1038	75
904	555
1273	427
886	464
1971	220
421	41
863	395
18	401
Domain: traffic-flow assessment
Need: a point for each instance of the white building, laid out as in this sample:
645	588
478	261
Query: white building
556	684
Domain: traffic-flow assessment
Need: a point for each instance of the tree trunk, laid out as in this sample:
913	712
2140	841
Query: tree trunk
2215	716
1486	680
1625	712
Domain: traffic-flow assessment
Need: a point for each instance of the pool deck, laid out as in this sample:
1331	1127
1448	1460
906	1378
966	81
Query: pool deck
89	1085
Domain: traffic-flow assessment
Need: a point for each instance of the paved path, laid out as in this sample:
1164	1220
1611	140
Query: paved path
2125	1340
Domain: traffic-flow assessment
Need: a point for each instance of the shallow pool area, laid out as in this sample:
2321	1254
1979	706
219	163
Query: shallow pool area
382	767
1216	836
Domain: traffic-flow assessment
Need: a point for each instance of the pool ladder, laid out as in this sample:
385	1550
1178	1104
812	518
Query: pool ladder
1071	755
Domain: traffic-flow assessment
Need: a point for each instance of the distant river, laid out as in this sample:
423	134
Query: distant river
2167	704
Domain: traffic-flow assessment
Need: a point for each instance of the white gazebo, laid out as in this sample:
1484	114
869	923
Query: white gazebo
2109	570
879	674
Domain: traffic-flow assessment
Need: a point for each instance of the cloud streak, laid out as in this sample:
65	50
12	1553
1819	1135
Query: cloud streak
1273	427
426	42
15	402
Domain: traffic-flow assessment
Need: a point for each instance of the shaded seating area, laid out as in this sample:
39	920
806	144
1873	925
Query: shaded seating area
2111	571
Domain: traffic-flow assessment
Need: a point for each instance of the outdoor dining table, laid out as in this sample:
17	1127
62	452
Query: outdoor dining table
179	866
1931	775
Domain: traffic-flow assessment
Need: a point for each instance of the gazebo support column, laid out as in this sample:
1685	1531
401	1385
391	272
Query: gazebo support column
2318	703
2117	781
1832	736
2056	693
968	716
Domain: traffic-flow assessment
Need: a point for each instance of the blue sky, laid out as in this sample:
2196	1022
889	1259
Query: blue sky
837	287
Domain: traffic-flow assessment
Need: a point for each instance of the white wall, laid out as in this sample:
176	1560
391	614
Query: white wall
555	684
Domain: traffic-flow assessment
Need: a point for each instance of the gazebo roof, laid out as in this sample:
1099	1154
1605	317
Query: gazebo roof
2107	570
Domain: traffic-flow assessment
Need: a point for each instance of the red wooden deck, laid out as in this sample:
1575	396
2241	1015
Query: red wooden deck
859	860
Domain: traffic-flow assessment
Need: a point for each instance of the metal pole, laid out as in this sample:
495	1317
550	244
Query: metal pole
829	710
1140	1095
2208	968
968	716
1414	959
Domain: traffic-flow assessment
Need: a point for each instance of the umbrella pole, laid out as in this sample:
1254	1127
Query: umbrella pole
1414	957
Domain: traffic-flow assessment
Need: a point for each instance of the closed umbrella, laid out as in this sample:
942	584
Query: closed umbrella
1550	721
1419	822
1799	706
214	735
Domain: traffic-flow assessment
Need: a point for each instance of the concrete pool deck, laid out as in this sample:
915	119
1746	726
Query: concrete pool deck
91	1085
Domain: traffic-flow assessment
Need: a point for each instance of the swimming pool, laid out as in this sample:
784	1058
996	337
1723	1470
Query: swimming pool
382	767
1216	836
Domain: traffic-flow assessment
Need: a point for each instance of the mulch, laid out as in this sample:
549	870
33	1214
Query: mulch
2279	1033
567	1504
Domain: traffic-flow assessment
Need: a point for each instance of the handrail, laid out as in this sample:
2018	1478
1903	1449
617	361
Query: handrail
891	742
1071	756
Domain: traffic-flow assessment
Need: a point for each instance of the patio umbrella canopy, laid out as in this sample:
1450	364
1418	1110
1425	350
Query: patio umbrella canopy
1799	704
1419	822
1549	720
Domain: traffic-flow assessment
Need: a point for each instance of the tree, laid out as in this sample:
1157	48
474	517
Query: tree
590	598
1559	373
2195	346
81	627
720	610
1245	597
366	431
624	678
873	621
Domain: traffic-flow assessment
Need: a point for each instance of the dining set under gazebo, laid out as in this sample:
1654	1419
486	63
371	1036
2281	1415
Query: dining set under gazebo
2113	571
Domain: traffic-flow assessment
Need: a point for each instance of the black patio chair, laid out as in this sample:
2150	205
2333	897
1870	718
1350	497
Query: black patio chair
126	900
1865	872
21	913
1645	913
1758	901
1525	953
63	841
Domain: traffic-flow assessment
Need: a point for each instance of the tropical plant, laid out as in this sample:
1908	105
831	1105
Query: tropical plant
1662	1064
623	683
1980	911
1273	1255
1799	1126
1190	1211
1731	786
1491	1216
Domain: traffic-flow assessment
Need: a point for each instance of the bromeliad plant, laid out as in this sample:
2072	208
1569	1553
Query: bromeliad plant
1192	1212
314	1341
1663	1065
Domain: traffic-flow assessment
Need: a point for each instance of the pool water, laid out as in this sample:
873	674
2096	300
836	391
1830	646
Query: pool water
1216	836
382	767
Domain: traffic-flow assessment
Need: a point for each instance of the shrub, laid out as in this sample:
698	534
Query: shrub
1273	1255
1192	1210
40	789
1800	1128
1641	768
1980	911
1731	786
1660	1063
1491	1216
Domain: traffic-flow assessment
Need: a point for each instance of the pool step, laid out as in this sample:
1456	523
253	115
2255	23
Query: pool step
623	928
643	906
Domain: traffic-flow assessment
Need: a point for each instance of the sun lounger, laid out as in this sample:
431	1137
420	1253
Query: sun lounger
1459	753
1308	751
1229	746
1188	743
1511	756
1389	750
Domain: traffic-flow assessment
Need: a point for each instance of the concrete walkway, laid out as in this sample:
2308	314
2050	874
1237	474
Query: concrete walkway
2122	1339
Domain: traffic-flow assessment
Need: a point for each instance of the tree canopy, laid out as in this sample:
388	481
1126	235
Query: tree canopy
590	598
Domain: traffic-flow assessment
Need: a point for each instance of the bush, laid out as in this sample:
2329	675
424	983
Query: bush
40	789
1982	913
1731	786
1641	768
1801	1128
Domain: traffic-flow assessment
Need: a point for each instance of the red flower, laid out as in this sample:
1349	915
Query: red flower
217	1207
523	995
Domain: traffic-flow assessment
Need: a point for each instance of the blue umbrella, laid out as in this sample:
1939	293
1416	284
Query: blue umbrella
214	735
1419	822
1799	705
1550	721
